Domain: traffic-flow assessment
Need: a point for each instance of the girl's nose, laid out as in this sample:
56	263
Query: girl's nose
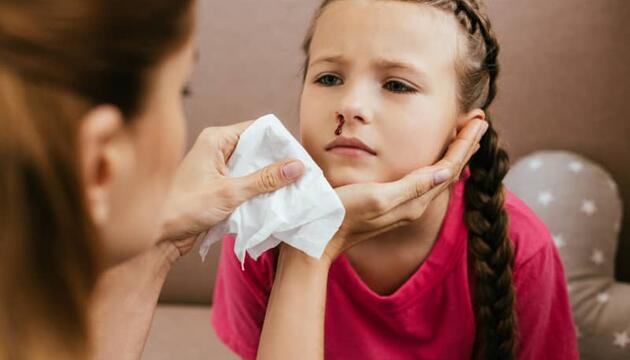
351	114
352	109
348	116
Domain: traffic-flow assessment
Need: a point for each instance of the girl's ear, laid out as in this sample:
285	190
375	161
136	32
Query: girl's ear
465	118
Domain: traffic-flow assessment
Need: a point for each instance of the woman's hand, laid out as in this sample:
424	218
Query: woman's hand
294	322
202	194
374	208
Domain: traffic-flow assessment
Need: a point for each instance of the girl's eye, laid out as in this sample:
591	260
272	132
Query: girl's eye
399	87
329	80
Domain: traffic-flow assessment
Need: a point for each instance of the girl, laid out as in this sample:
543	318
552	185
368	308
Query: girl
387	86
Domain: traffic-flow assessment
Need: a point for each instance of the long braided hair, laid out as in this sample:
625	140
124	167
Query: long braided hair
490	251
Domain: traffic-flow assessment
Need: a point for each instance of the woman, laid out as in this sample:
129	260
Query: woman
96	205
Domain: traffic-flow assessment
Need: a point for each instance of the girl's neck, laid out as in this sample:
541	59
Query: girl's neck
386	262
426	229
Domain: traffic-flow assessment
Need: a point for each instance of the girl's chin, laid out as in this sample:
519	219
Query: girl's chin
341	179
341	176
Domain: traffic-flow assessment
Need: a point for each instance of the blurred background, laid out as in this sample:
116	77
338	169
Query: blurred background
565	85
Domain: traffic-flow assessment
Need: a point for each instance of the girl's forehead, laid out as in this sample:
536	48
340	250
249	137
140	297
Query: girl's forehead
397	30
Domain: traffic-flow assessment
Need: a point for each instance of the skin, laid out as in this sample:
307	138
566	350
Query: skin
371	209
396	88
128	170
148	207
408	131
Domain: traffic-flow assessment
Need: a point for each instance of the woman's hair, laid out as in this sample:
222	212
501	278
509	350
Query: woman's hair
490	250
59	59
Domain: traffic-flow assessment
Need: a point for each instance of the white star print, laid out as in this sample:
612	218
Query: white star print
545	198
535	164
621	339
576	166
603	298
588	207
559	241
598	257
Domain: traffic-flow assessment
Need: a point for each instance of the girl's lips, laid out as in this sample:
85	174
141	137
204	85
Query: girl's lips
349	151
349	146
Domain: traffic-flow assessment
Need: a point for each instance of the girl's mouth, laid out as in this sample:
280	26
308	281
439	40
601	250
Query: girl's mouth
350	146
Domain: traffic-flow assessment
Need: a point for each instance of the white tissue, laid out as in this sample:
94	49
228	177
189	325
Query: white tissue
305	214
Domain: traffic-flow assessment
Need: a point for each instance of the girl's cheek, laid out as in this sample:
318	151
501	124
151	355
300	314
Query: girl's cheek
309	135
416	146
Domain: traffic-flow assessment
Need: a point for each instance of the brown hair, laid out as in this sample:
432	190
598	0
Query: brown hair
490	249
58	59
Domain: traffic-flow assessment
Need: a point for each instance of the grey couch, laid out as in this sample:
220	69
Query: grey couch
564	85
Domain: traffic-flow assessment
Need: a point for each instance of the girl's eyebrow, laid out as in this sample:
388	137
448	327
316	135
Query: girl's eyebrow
387	64
335	59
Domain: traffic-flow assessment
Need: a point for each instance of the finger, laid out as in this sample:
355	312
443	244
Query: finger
239	128
413	208
268	179
432	179
449	167
433	193
466	140
422	186
408	211
458	168
463	147
413	185
229	137
468	157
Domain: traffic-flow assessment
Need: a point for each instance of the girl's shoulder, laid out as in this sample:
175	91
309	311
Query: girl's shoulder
526	230
528	233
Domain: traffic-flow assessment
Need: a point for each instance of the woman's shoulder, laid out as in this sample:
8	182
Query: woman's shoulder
526	230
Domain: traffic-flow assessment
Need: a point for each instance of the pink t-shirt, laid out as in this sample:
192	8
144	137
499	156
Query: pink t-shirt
430	316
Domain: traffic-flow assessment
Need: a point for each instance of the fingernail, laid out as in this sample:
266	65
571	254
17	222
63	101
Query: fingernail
293	170
441	176
483	129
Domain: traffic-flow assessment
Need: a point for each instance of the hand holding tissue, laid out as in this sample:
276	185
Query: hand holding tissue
305	214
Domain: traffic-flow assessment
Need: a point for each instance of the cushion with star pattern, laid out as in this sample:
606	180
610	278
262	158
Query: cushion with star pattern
580	204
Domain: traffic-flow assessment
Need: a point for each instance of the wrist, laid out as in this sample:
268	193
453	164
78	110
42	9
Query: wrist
165	254
292	257
177	219
334	247
170	227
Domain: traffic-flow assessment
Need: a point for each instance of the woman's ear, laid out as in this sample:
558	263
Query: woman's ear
103	150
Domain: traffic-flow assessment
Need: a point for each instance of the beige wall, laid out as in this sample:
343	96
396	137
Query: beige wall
565	84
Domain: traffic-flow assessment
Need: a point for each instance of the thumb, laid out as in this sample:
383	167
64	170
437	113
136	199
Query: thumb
270	178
